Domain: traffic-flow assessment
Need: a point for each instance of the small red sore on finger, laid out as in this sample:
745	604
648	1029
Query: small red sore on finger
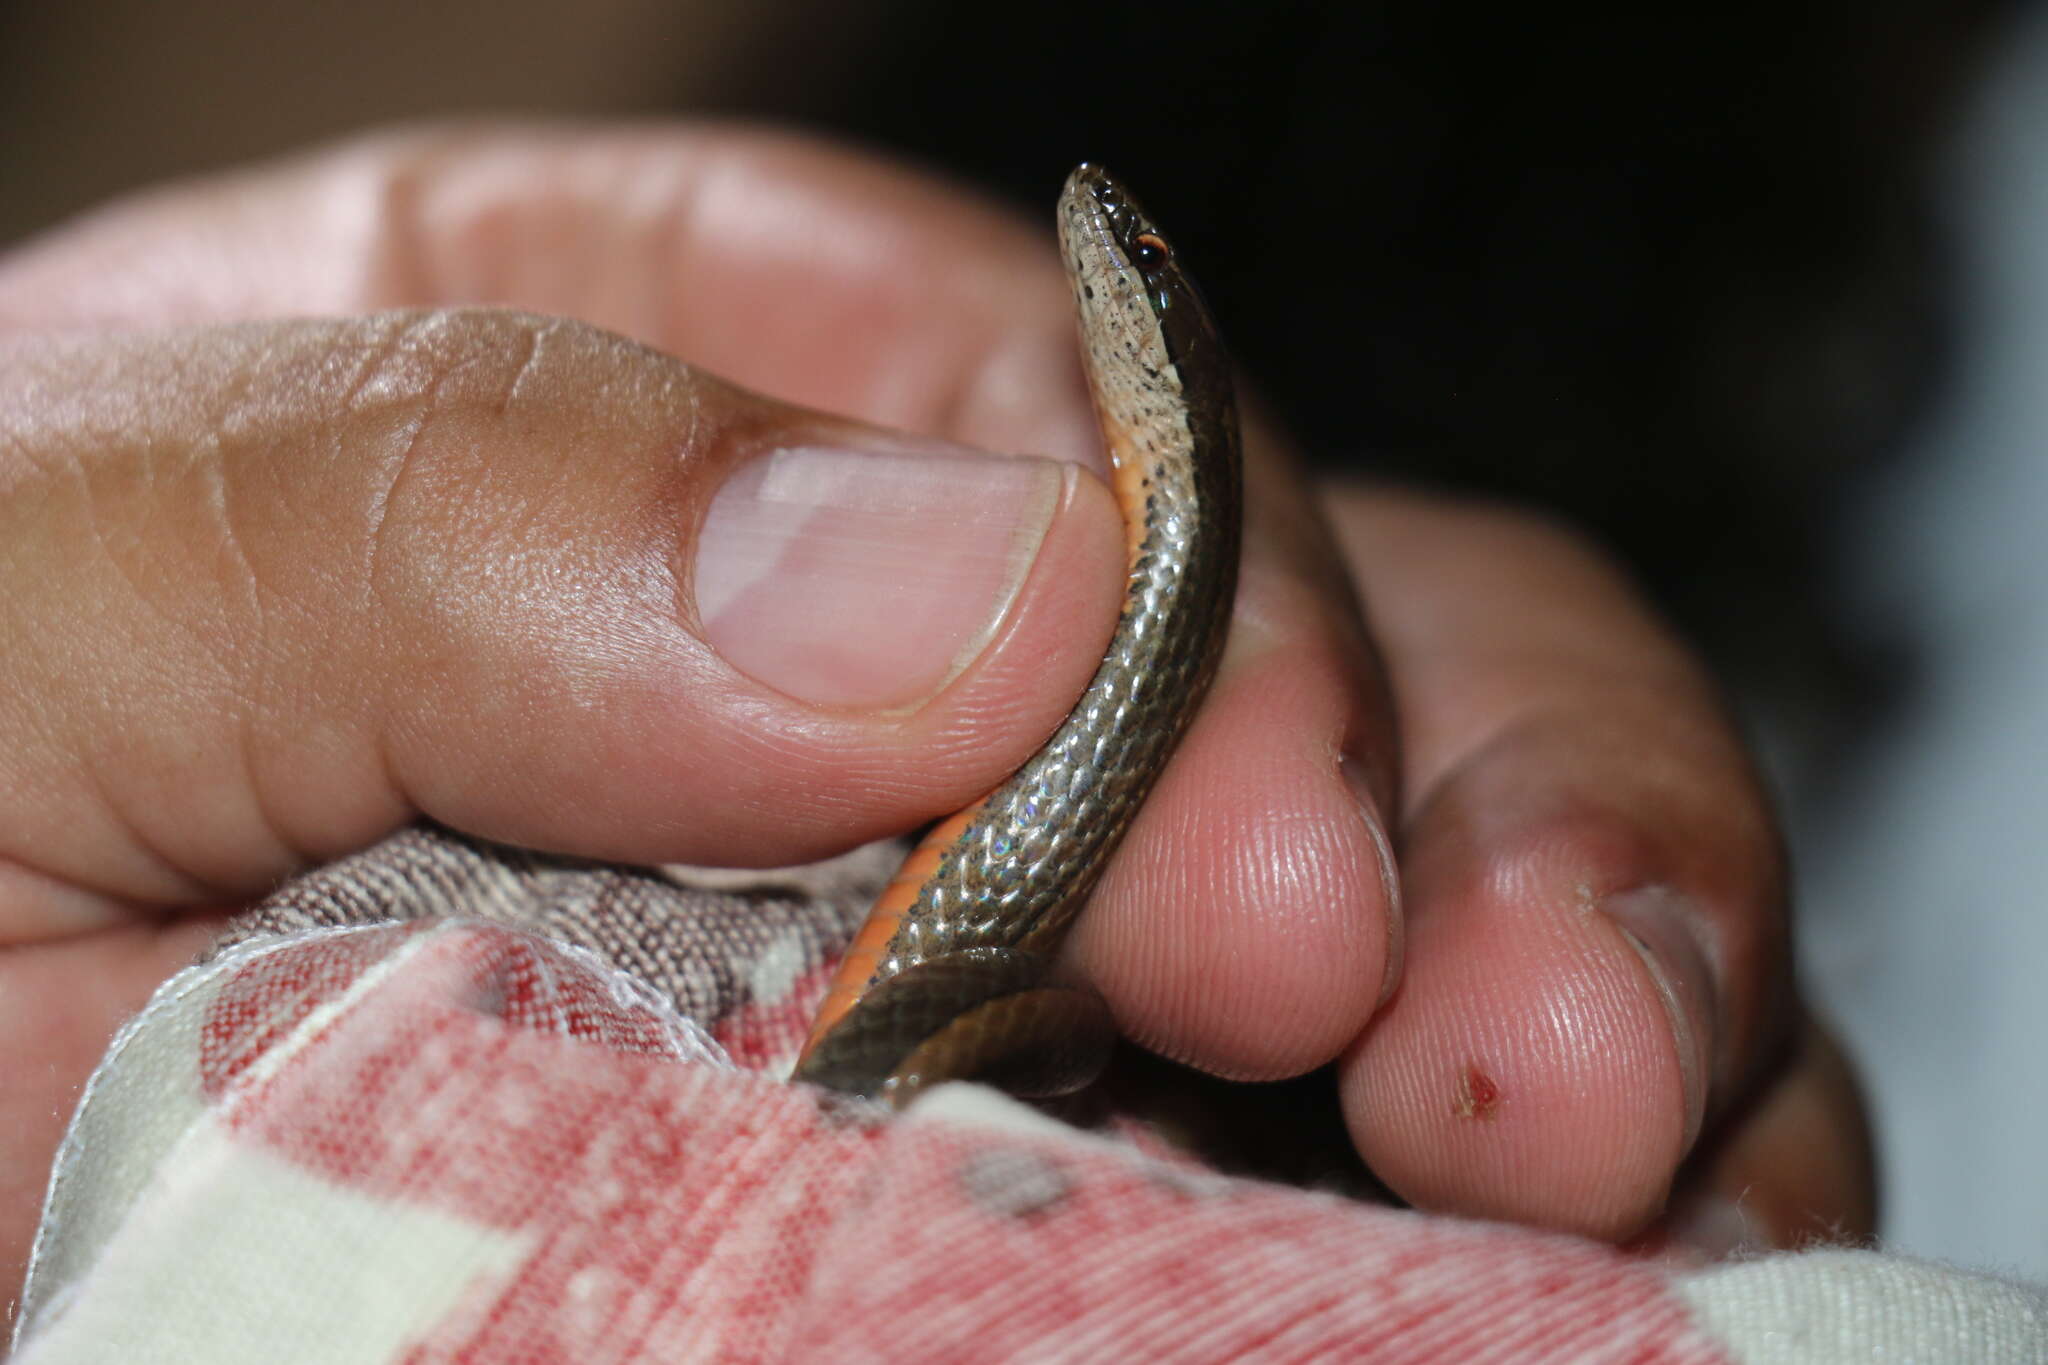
1478	1094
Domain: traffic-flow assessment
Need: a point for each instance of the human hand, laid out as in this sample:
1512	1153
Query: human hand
276	588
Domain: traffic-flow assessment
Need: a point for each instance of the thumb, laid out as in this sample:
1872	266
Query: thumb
269	591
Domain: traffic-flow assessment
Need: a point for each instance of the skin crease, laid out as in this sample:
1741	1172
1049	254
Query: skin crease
324	584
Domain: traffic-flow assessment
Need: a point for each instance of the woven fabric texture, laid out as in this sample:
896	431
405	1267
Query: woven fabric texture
450	1102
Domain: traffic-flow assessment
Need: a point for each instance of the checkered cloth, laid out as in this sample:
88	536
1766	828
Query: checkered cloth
444	1101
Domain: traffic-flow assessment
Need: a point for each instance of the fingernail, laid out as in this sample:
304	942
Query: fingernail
868	578
1667	930
1353	773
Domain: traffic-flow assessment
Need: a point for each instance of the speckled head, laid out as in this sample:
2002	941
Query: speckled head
1153	354
1103	230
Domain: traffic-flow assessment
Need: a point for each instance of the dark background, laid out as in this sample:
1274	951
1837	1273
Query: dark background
1671	271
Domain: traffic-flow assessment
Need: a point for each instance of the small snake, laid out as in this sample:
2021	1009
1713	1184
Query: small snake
952	976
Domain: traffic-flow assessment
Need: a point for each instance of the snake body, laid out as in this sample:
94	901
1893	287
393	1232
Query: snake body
952	975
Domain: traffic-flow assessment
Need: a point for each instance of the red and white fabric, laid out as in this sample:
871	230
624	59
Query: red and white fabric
430	1137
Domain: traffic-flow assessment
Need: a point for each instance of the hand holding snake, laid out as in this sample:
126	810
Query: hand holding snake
274	587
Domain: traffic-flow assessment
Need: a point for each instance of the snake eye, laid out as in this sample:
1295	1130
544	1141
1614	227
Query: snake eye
1149	251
